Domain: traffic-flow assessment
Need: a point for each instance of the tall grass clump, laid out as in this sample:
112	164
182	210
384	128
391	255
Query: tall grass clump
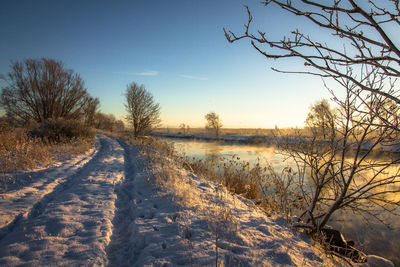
18	151
23	148
272	190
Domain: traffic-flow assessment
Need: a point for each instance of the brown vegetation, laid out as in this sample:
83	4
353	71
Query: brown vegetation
22	150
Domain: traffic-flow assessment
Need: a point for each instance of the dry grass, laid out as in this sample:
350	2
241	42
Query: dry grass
237	176
275	192
18	151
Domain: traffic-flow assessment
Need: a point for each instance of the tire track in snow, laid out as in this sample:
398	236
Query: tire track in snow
121	248
146	232
72	224
43	183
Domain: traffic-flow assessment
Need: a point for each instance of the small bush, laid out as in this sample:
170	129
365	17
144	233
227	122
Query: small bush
5	125
61	130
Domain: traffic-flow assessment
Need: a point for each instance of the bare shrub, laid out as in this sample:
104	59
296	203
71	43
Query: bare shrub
61	130
362	57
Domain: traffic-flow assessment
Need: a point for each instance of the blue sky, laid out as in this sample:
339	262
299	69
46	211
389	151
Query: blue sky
175	48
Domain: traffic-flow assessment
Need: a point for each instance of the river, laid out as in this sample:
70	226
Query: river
372	237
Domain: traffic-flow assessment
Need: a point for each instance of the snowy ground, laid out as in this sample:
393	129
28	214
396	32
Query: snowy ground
106	208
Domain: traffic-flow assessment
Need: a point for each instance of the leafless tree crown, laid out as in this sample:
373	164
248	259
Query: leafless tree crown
143	112
40	89
213	122
321	119
369	57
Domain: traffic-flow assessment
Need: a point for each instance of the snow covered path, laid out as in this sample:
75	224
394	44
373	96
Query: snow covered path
72	223
32	186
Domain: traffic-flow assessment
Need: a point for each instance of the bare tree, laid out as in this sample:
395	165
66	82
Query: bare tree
90	110
213	123
342	174
366	65
321	119
40	89
367	31
143	112
119	125
182	126
104	121
107	122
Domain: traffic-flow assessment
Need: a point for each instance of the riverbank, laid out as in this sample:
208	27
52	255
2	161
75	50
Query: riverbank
243	139
261	139
218	227
221	156
226	208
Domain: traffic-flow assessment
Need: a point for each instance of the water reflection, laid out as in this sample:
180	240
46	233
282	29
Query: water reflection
372	237
213	150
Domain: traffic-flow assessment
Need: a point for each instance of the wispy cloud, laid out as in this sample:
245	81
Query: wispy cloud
194	77
143	73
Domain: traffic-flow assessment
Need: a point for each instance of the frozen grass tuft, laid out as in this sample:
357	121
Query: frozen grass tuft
20	152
